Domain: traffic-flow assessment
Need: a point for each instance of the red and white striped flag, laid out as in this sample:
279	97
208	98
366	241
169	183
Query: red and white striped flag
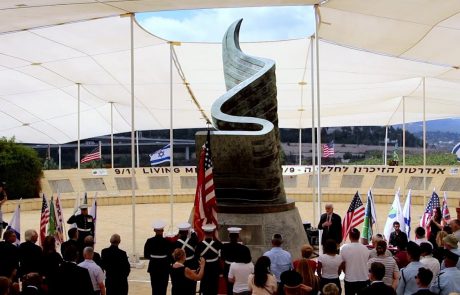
44	218
354	217
205	207
94	155
328	149
59	221
445	211
433	203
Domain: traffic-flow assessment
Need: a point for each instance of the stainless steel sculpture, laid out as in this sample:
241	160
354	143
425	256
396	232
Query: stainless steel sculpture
246	147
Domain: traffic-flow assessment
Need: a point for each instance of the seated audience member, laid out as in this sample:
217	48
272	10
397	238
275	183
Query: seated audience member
262	281
377	286
292	283
423	279
330	289
391	268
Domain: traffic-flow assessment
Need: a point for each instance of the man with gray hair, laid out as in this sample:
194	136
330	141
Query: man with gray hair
30	254
117	268
331	224
95	272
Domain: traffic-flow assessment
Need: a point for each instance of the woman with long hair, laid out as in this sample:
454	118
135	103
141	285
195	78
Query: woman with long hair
306	252
262	281
183	278
308	276
435	226
239	272
329	265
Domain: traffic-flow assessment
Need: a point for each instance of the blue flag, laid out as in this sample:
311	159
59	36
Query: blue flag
406	214
160	156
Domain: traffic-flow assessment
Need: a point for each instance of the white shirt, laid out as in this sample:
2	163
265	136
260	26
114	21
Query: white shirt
330	265
433	264
240	272
355	256
95	272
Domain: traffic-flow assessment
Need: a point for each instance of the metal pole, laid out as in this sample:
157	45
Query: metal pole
386	147
404	131
135	259
171	137
424	142
111	135
60	155
318	130
313	147
300	146
137	148
78	122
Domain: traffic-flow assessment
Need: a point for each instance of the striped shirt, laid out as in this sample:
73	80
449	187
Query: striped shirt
390	267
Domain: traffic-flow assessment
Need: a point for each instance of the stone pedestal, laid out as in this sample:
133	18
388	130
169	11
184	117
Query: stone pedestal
260	222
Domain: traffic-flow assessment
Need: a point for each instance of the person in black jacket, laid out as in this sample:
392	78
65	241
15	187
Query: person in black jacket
9	254
331	224
158	250
30	254
72	233
71	278
377	287
117	268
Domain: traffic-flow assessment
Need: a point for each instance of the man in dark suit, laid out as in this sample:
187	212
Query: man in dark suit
331	224
398	238
73	240
377	287
423	280
9	254
30	254
117	268
72	279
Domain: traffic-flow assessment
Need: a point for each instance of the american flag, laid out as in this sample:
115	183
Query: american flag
328	150
355	215
445	211
94	155
205	207
45	217
433	203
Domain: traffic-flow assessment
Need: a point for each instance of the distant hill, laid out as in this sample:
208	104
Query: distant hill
445	125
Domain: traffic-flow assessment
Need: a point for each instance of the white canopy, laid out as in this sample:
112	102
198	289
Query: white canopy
40	69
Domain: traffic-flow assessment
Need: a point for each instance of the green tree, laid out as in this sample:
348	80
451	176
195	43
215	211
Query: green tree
20	168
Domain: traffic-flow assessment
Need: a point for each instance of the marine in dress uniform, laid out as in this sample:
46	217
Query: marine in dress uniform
187	241
209	249
231	252
85	225
158	250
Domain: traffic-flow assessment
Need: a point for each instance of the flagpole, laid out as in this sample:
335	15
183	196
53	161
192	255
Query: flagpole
100	154
404	143
171	138
318	130
59	153
134	258
386	146
137	148
78	127
424	142
111	134
313	148
300	146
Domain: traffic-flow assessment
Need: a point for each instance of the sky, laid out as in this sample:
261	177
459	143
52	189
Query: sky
209	25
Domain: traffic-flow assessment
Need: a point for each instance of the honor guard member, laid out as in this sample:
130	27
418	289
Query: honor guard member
158	250
187	241
209	249
231	252
85	225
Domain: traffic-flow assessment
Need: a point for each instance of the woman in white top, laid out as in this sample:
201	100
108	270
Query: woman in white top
330	265
239	272
262	282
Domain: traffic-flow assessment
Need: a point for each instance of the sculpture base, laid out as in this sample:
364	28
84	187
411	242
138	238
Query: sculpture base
260	222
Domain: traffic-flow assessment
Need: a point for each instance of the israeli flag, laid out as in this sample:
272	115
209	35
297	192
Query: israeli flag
456	151
160	156
406	215
15	224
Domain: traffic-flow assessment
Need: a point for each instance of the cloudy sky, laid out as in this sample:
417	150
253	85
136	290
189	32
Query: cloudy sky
209	25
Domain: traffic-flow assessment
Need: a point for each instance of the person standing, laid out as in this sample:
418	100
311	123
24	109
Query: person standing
232	252
262	282
158	250
355	256
448	280
72	279
117	268
398	238
30	254
377	286
281	260
95	271
85	225
72	233
423	279
9	254
3	199
183	278
331	224
391	268
239	272
209	249
330	265
187	241
428	260
407	284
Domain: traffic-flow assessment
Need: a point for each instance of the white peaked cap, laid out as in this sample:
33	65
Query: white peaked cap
184	226
158	224
234	230
208	228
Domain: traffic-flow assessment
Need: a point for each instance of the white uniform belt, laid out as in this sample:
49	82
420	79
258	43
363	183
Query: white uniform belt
158	256
228	262
189	258
83	229
212	260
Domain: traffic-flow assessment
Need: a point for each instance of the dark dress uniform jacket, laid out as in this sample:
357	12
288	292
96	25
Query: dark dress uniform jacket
9	258
73	280
30	256
158	251
85	225
331	232
210	281
378	288
188	245
117	269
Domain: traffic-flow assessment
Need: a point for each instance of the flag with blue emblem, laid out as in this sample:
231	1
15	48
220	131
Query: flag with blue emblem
15	224
161	156
406	214
395	214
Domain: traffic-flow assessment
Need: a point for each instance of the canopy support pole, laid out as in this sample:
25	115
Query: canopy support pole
300	146
137	148
111	135
385	159
424	142
313	147
318	130
60	155
171	137
78	128
134	258
404	143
